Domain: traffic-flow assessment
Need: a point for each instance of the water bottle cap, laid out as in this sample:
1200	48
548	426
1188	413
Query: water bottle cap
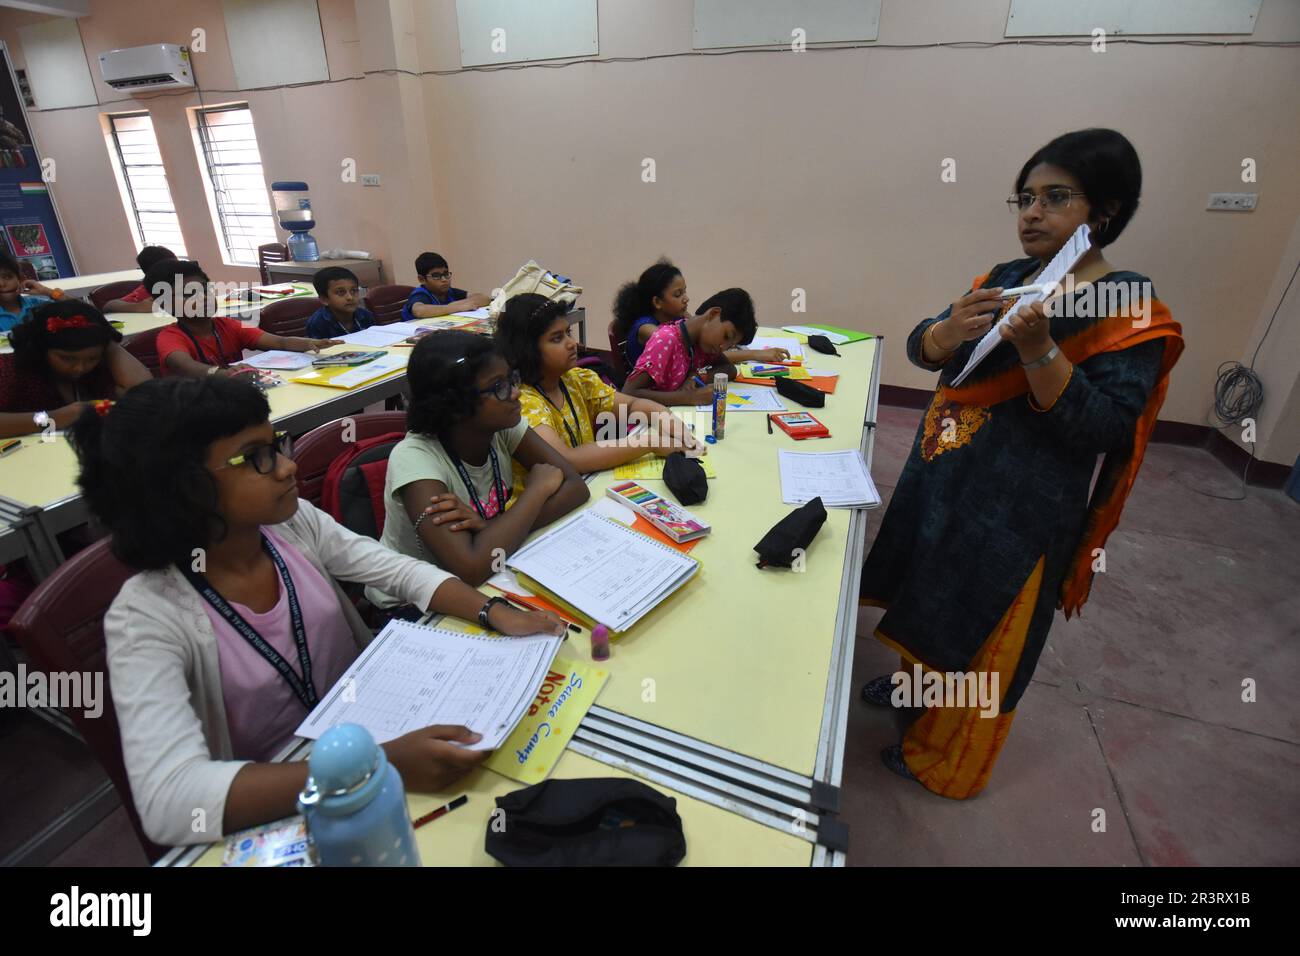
344	759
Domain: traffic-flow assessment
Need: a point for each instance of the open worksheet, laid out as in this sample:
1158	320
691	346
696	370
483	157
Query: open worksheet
413	676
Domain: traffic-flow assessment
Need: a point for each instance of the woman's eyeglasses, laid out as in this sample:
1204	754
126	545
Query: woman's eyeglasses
262	457
503	389
1052	200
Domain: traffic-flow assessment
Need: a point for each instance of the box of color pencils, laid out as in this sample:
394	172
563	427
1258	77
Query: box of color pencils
668	516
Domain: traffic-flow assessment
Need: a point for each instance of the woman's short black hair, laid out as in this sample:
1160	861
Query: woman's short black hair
69	324
737	308
143	470
525	319
9	264
1107	167
636	299
443	375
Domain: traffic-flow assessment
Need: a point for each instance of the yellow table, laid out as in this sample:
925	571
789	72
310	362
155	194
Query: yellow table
714	837
80	287
135	323
132	324
43	473
740	681
732	695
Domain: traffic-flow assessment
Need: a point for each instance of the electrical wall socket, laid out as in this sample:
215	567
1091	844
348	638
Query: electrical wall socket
370	179
1239	202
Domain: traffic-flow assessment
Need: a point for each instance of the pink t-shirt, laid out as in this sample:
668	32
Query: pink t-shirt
666	360
262	710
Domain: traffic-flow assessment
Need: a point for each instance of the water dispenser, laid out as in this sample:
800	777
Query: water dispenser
293	211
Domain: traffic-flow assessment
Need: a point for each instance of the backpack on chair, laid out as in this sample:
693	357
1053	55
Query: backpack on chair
353	489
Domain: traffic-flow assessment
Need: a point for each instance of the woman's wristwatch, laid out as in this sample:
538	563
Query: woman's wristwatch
483	612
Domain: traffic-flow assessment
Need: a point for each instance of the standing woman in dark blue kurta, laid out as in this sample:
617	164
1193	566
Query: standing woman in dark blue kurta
991	527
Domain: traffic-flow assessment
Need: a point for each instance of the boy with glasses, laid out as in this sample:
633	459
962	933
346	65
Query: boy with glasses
435	296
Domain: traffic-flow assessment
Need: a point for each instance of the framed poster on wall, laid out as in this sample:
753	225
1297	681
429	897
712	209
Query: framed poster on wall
30	229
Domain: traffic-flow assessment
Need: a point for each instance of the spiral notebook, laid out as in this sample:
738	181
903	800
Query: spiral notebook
604	570
413	676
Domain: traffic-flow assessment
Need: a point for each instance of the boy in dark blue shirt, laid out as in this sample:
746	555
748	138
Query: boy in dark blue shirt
340	311
435	296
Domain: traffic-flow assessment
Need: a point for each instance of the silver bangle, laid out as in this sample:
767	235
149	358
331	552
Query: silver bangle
1040	362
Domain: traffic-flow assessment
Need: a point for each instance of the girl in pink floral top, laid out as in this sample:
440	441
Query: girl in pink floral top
671	367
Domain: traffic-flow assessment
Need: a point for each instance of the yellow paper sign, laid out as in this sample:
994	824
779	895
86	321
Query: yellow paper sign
651	467
535	746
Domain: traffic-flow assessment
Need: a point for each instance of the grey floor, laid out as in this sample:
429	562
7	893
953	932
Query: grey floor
1136	708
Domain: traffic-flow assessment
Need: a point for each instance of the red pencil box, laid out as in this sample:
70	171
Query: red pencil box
800	425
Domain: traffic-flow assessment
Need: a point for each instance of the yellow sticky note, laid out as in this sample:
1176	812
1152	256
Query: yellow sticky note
651	468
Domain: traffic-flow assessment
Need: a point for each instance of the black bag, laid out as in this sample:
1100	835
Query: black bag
685	478
821	343
601	821
796	530
799	392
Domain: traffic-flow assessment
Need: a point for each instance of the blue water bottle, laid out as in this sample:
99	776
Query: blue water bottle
355	804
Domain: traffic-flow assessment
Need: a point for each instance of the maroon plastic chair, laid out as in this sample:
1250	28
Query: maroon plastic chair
144	347
288	316
386	302
268	255
114	290
315	451
61	627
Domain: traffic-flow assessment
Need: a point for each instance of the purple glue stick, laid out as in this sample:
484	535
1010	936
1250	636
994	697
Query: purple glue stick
600	643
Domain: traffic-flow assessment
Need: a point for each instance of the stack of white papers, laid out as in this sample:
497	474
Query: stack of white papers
377	336
413	676
276	360
609	573
384	365
406	329
839	478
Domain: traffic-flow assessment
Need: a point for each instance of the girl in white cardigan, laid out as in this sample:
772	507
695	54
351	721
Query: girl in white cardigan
235	625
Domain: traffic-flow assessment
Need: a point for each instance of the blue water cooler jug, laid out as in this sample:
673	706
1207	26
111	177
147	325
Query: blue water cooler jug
355	804
294	214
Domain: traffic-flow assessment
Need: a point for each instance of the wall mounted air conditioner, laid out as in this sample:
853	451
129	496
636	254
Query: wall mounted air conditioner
159	66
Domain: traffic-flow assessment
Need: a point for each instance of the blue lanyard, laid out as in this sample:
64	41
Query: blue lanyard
302	687
497	483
